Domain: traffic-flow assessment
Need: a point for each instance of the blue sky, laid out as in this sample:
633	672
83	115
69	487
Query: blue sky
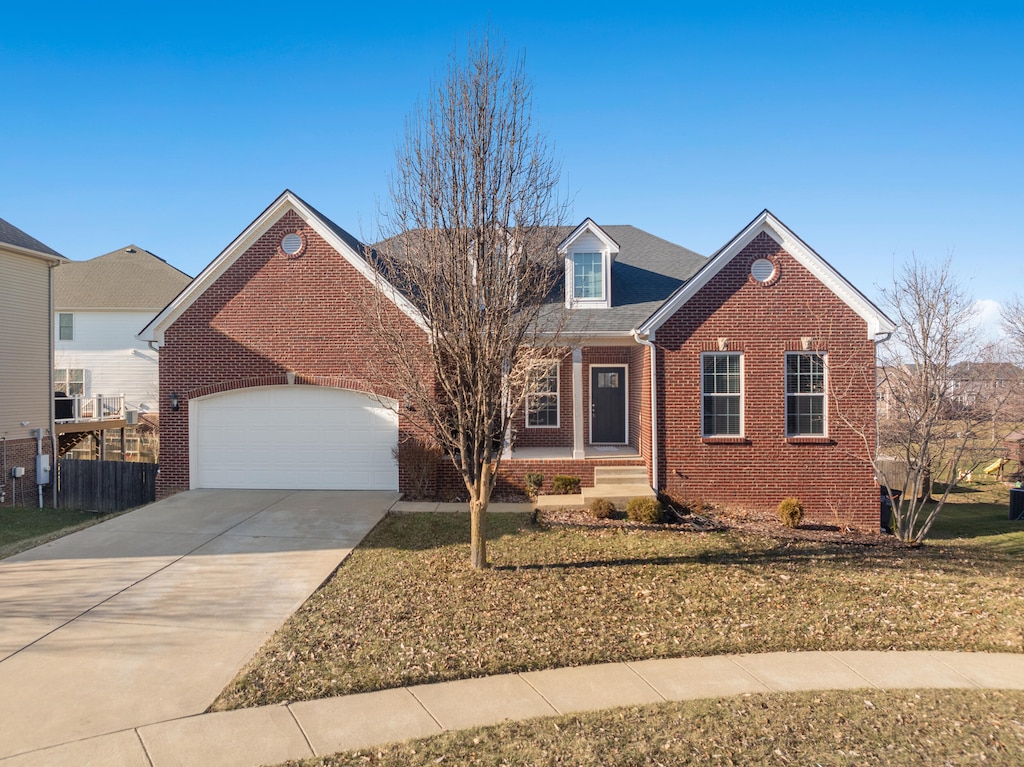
873	130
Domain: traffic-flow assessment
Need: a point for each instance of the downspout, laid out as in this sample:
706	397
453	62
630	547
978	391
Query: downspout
874	461
52	430
645	339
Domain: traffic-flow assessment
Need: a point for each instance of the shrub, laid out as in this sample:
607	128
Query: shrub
601	508
646	510
418	459
533	482
564	485
791	511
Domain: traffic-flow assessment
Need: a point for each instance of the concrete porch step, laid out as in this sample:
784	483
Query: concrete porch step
619	494
621	475
552	502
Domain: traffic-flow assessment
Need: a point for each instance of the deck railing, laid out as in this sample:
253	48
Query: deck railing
98	408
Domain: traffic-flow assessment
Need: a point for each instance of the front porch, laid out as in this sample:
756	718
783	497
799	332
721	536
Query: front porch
590	453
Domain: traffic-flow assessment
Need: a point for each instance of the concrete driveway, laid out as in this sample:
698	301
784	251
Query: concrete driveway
148	616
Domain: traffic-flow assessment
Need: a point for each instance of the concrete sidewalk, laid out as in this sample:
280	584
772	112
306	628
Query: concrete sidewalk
146	617
273	734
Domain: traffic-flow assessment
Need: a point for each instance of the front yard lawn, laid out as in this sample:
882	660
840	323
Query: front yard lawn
405	609
22	528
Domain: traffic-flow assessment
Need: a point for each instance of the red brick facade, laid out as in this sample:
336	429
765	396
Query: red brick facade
271	319
832	475
266	316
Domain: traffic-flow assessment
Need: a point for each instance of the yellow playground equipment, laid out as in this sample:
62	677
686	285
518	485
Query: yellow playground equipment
996	465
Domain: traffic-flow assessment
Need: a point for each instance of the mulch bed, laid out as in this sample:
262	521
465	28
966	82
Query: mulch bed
718	519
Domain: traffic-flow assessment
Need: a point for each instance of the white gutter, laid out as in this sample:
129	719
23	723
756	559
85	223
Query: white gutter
645	339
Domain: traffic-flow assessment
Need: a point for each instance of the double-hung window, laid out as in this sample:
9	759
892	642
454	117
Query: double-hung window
65	327
71	381
588	276
805	394
542	399
722	394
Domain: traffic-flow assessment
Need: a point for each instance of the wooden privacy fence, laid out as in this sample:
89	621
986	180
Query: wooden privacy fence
105	485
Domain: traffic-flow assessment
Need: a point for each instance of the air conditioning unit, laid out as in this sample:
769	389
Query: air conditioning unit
131	417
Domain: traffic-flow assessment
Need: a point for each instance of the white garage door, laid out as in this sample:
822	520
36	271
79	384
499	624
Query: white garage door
292	437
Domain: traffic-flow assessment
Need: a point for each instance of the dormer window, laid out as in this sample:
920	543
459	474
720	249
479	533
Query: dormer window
588	276
589	253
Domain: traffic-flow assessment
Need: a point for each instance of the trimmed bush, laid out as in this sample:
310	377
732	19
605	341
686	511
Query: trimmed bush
565	485
645	510
791	511
419	459
533	482
601	508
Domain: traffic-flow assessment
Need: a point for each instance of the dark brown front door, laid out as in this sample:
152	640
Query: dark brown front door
608	405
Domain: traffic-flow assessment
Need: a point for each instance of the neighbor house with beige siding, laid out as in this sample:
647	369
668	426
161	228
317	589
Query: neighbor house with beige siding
26	351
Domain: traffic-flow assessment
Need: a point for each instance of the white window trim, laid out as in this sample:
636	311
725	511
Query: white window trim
67	382
590	391
72	316
742	395
558	401
824	396
599	302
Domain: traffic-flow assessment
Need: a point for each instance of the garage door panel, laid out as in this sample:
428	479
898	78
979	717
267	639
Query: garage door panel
293	437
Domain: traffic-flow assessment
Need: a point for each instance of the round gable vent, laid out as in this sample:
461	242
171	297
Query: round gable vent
292	244
763	270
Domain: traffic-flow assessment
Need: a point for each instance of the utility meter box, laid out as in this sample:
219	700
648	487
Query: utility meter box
17	472
42	469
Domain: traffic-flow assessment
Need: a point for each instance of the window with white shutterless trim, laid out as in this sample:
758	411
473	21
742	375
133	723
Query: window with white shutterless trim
806	387
542	399
721	394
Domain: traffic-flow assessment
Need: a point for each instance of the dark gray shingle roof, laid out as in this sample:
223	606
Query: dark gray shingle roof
12	235
645	273
128	278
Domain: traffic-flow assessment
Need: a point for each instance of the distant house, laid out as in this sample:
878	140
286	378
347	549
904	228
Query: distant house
26	392
99	307
708	378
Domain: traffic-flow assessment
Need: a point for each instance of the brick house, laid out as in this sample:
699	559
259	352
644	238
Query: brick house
706	377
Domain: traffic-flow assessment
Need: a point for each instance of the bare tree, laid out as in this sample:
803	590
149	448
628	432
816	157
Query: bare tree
471	235
937	401
1012	316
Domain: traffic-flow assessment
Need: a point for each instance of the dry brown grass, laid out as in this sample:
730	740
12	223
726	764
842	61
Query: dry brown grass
865	727
405	609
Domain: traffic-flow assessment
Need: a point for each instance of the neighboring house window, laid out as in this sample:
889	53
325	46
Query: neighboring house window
71	381
65	327
542	400
588	276
805	394
722	394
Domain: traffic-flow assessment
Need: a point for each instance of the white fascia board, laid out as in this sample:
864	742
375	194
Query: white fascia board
877	322
589	225
17	250
154	331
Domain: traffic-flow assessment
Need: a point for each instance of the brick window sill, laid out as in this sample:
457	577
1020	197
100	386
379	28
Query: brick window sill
810	441
725	440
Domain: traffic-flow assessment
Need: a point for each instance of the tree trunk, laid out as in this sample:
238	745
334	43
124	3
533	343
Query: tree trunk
479	499
477	534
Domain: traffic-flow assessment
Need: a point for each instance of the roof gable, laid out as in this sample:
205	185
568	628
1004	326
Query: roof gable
767	223
344	243
127	278
15	239
589	226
